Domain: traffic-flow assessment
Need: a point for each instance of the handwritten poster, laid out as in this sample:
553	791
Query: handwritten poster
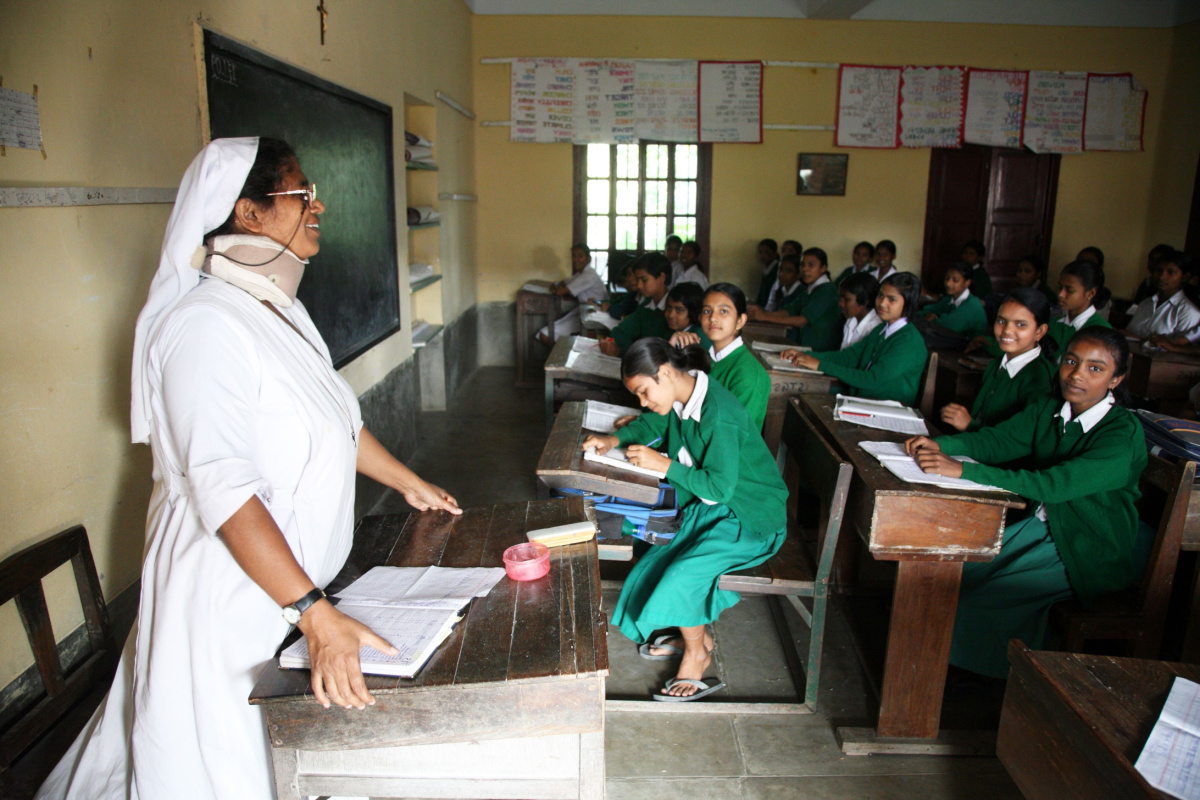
730	101
665	100
931	106
1054	112
543	100
868	106
19	125
995	107
604	105
1116	111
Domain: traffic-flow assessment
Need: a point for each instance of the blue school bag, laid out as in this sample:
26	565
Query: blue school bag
1171	437
655	523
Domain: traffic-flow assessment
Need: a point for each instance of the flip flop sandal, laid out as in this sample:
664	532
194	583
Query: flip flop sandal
661	643
704	686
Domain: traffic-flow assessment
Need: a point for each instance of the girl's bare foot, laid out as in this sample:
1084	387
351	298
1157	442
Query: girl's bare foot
697	656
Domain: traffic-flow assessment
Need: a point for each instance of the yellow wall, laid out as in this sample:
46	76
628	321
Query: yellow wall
75	278
1103	198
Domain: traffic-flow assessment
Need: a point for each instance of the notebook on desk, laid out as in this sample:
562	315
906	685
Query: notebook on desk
893	456
885	415
615	457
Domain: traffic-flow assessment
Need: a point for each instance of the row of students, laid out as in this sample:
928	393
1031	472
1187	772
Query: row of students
806	301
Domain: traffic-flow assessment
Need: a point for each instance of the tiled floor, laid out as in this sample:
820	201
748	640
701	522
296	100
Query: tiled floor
484	450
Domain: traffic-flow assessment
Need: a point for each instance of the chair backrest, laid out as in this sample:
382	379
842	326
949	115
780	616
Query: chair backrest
1174	480
828	476
928	385
21	579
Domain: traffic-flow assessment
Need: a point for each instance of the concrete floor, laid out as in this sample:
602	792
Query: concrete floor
484	450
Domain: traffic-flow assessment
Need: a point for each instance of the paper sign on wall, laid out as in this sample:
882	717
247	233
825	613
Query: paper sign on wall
1116	112
665	100
604	104
543	100
995	107
730	101
1054	112
931	106
19	124
868	106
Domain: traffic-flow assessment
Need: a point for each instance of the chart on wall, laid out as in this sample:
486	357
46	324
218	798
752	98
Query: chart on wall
1116	113
730	101
1054	112
932	101
543	100
995	111
868	107
665	100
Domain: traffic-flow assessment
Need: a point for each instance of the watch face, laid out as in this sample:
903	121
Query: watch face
291	615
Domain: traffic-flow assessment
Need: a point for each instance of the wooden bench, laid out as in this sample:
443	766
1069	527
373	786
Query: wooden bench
21	578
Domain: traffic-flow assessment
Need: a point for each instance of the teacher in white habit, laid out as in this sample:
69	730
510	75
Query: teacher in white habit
256	440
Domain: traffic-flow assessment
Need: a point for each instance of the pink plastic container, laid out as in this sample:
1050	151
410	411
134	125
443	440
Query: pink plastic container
527	562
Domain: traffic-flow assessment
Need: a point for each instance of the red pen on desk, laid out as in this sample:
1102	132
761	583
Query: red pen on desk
854	414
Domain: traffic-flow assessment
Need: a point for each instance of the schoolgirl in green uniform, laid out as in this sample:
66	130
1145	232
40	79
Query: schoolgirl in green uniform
683	310
730	495
811	314
1086	454
887	364
1023	375
653	273
959	310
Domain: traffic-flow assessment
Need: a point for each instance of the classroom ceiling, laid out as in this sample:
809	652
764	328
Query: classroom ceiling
1103	13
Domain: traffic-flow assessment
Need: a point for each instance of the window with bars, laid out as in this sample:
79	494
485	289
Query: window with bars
630	197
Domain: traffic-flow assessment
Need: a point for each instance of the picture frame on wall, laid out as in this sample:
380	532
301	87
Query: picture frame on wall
822	174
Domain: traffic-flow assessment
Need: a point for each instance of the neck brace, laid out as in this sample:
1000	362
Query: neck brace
276	280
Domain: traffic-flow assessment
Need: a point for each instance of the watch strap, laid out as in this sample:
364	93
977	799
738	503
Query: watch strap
303	603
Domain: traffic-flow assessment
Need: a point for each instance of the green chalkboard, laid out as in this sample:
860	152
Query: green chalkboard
344	143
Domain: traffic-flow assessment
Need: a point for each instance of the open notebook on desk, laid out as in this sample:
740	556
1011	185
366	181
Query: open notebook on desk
585	357
602	417
781	364
898	462
615	457
884	415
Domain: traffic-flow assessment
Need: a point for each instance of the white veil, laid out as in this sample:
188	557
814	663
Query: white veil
207	193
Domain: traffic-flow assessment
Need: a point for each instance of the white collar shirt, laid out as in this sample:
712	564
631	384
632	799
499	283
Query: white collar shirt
1083	316
892	327
691	409
962	298
724	351
1014	365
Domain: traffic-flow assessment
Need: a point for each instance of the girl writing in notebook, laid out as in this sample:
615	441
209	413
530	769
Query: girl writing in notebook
731	499
1086	453
653	271
1023	374
888	363
812	314
723	315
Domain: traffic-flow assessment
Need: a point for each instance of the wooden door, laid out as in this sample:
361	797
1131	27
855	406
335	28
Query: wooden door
1020	211
956	208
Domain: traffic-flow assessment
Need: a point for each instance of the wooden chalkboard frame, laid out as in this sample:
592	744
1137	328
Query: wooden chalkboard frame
380	314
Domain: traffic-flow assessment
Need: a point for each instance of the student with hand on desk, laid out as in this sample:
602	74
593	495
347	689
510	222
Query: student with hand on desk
256	440
731	498
1086	454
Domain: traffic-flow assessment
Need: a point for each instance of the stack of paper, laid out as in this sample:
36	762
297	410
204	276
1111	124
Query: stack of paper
602	417
886	415
615	457
781	364
1170	761
770	347
559	535
893	456
593	362
413	608
593	317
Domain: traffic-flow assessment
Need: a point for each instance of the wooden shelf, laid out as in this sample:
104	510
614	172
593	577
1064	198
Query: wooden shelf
430	280
420	225
420	165
426	336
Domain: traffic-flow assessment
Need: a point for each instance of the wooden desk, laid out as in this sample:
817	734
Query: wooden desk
765	332
560	379
1161	375
956	382
511	705
1074	725
533	304
930	532
562	463
784	386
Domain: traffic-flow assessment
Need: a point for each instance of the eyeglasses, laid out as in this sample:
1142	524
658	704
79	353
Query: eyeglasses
308	196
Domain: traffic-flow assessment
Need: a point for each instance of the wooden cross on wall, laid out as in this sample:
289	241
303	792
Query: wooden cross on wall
321	10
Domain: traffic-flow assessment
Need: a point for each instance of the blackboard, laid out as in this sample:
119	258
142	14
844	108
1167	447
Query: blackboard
344	143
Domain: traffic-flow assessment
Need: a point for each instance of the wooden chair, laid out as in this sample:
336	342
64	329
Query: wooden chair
21	579
791	573
1137	614
928	386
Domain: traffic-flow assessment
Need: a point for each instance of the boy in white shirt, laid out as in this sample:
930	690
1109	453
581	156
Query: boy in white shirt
1169	312
584	285
690	269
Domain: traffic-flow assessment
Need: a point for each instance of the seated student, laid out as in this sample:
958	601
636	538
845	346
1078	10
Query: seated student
768	259
959	311
689	259
885	254
812	315
652	271
888	363
1149	286
973	254
790	247
857	301
861	258
584	285
682	313
1081	292
1025	372
732	505
1170	313
1086	454
787	284
1031	272
723	315
673	248
628	302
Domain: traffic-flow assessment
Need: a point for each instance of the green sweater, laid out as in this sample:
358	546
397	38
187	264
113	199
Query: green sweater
981	281
1061	332
699	331
732	464
879	368
743	375
643	322
847	272
1001	396
819	306
1088	481
969	318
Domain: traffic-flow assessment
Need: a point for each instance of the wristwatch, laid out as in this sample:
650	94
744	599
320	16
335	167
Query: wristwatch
293	612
